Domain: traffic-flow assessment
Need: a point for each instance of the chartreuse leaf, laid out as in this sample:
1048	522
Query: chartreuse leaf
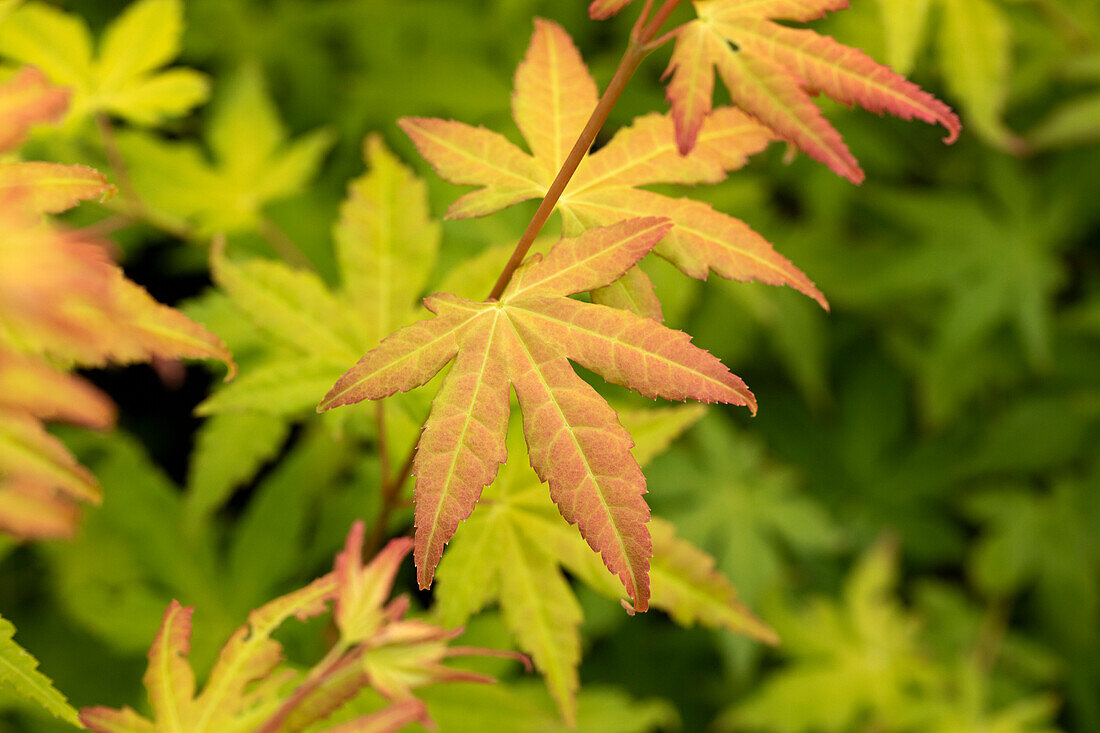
511	549
253	162
861	655
386	242
602	192
386	248
19	670
292	305
524	708
574	439
903	23
229	450
542	613
127	79
975	51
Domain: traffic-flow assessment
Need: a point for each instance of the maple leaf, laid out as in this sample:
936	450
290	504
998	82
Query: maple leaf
127	77
28	99
771	69
514	549
575	441
19	670
64	303
553	97
249	689
52	188
253	163
975	55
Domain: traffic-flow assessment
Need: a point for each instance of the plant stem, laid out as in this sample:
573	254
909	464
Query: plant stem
334	660
391	485
641	43
283	245
636	51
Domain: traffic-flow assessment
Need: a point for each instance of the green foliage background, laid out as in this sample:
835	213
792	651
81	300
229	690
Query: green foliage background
916	509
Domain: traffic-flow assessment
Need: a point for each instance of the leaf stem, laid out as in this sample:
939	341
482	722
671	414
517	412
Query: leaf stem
333	661
636	51
391	485
283	245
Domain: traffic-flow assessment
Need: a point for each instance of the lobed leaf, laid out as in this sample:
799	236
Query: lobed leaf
404	360
29	453
575	441
601	193
630	350
251	654
634	292
28	99
361	591
475	156
597	257
577	446
229	450
32	385
51	188
554	95
143	38
701	239
30	509
688	587
169	679
20	670
293	305
542	614
385	240
463	442
771	70
149	329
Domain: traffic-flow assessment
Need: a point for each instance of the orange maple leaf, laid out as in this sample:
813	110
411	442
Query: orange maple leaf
575	441
554	96
771	71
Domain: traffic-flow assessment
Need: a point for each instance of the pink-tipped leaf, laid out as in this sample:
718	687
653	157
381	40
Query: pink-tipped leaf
462	444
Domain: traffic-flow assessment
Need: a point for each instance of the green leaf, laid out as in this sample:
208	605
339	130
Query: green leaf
229	450
975	51
254	164
20	670
543	614
524	708
1075	123
386	242
288	387
292	305
903	23
126	79
143	38
57	42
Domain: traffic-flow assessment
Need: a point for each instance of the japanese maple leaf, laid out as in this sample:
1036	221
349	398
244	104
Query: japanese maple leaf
575	441
771	71
554	96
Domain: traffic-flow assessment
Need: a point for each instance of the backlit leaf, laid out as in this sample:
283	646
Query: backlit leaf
575	441
771	70
602	191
